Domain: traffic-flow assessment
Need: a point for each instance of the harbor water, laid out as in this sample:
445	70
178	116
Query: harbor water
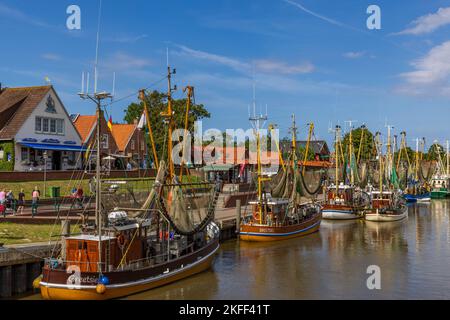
413	256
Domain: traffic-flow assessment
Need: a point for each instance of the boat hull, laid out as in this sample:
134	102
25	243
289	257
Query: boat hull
411	198
53	286
262	233
388	216
439	194
334	212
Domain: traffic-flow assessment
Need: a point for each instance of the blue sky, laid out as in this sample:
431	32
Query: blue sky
314	58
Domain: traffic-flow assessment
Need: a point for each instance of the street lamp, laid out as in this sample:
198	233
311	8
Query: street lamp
45	170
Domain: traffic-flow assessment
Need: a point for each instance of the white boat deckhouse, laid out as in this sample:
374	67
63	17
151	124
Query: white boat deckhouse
36	131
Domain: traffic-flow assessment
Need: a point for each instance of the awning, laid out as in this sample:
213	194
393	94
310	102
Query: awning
43	146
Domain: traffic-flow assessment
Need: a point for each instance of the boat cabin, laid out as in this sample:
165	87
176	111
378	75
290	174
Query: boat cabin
339	196
275	209
383	200
439	182
122	245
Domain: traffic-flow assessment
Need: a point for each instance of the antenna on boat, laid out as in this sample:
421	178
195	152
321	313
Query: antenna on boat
97	45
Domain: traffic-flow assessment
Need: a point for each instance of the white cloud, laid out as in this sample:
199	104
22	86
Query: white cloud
229	62
354	54
431	74
260	65
271	66
51	57
123	61
428	23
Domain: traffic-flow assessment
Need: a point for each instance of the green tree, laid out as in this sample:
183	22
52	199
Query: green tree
157	104
434	151
367	147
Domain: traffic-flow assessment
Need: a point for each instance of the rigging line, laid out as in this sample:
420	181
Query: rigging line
134	93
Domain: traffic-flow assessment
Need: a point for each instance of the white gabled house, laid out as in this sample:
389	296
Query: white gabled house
35	125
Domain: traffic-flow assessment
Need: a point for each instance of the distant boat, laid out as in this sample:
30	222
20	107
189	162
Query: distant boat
279	215
423	197
341	200
386	205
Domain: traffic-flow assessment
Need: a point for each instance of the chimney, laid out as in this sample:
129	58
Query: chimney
136	121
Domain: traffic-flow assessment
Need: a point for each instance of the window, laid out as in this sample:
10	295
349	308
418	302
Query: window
24	154
142	146
60	126
105	141
38	124
49	125
45	125
52	125
132	144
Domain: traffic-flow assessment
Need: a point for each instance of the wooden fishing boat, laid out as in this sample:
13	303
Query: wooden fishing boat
385	208
341	200
417	190
277	226
339	204
386	204
129	250
279	214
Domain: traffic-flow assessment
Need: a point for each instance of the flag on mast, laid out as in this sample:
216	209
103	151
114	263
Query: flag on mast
142	121
110	123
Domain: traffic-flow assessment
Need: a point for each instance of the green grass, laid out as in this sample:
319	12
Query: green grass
12	233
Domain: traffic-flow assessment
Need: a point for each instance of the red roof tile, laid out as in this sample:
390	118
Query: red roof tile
20	102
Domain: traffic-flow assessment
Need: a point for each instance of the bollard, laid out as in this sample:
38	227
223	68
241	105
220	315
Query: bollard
238	215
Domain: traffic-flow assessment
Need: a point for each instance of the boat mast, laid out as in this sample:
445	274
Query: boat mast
142	97
416	171
380	158
389	152
336	151
350	151
169	116
294	141
256	121
448	165
308	142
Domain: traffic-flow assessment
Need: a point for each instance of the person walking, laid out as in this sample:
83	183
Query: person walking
11	202
79	197
35	201
21	202
2	196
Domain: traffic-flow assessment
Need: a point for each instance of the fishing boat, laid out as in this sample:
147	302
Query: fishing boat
279	214
386	204
168	237
343	201
417	190
440	181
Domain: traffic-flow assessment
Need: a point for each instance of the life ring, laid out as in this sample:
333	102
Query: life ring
256	216
121	240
